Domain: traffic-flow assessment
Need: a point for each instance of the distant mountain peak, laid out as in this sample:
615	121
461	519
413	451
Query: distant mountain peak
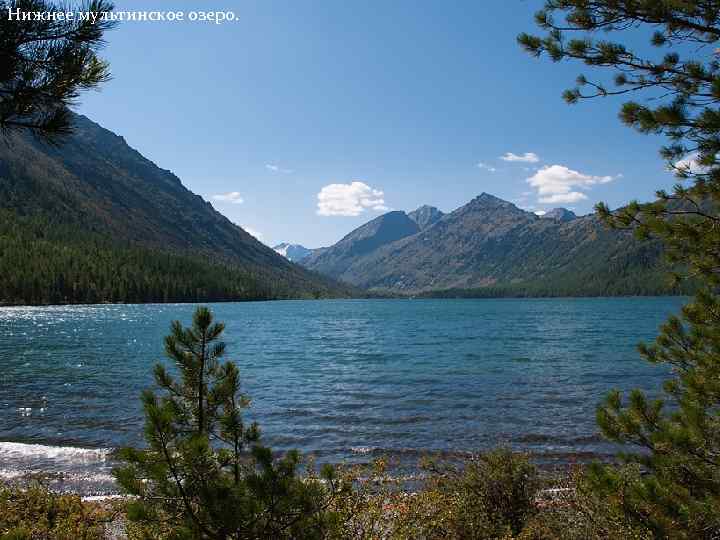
396	224
391	213
487	199
559	214
487	202
293	252
425	216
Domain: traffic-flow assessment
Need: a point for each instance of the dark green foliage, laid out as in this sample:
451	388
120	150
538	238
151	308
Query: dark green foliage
675	439
203	474
681	439
633	274
45	64
46	263
494	495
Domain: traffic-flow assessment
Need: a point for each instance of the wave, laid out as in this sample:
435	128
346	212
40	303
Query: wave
41	451
62	468
363	449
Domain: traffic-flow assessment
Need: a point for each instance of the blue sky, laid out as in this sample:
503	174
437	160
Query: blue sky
304	119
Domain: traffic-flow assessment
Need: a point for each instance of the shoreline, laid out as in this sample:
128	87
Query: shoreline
420	296
87	472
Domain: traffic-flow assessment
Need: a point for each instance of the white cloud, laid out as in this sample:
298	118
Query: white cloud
486	167
276	168
527	157
559	184
231	197
540	212
566	198
349	199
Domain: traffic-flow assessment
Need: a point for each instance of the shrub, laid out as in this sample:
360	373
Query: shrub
575	510
35	512
490	496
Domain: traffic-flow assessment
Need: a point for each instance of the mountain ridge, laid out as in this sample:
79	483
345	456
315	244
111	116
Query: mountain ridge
491	244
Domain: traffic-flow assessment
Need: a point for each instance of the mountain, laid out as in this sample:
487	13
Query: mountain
425	216
381	231
293	252
559	214
491	247
92	220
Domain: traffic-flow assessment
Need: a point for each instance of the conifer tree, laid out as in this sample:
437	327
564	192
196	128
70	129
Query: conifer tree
45	63
203	473
676	438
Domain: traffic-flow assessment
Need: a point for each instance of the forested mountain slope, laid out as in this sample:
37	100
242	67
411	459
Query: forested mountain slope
92	220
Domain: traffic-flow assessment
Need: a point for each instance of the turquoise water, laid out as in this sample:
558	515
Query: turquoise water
344	380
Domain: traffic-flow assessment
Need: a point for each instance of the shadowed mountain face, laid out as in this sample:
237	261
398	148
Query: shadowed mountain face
381	231
96	179
492	243
425	216
94	183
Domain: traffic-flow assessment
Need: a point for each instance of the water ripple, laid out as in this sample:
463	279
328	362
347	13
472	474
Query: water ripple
342	379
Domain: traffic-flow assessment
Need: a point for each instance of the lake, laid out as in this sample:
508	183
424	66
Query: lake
345	380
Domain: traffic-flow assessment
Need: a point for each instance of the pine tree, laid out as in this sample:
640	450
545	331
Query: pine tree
675	439
203	473
45	64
